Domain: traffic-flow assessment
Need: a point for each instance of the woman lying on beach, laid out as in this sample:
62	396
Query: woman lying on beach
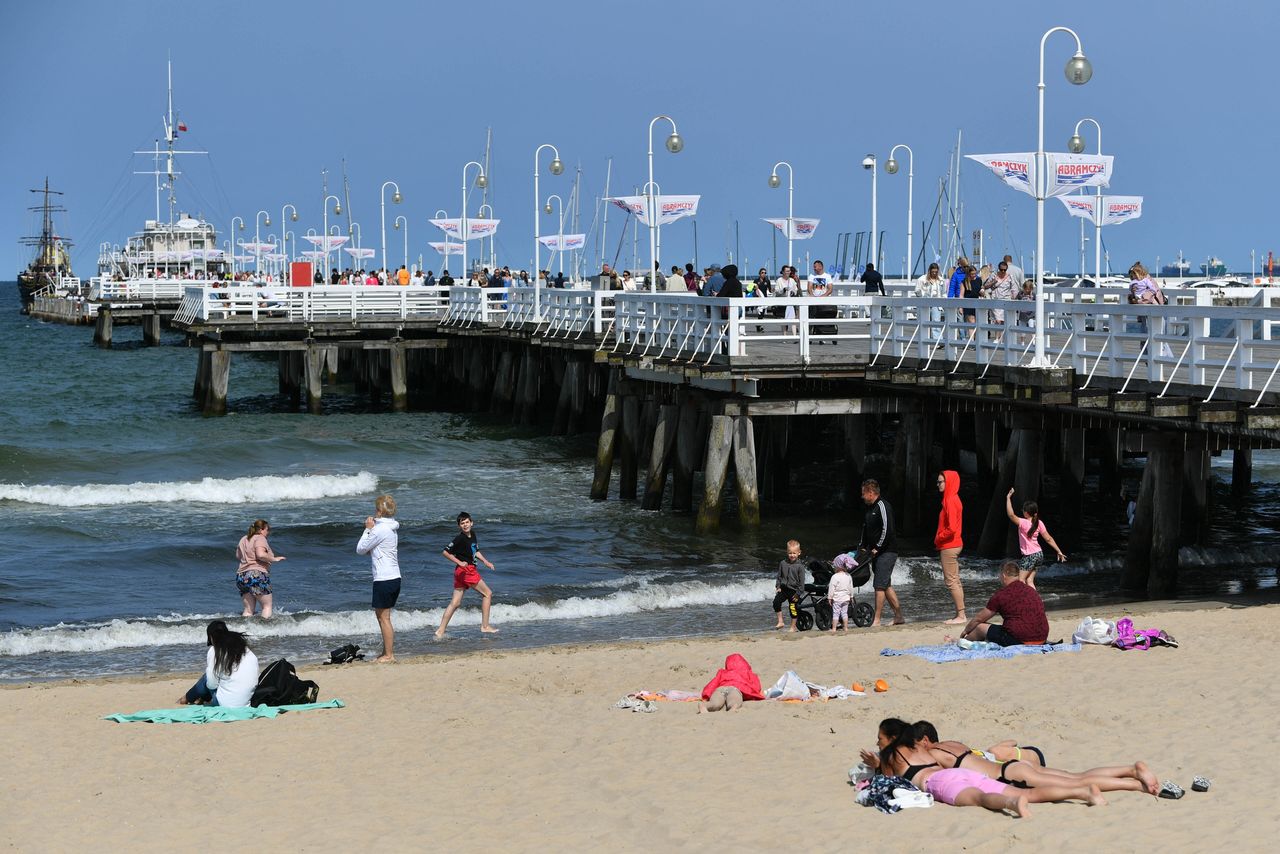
231	670
902	754
1025	773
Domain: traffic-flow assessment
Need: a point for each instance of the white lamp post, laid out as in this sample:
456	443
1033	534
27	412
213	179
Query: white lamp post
233	243
559	228
257	253
481	182
382	196
1078	72
493	255
869	163
400	220
675	145
284	243
891	166
775	182
337	211
1076	145
557	168
354	229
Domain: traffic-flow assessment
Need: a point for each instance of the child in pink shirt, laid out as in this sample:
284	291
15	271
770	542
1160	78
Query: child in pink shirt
1030	529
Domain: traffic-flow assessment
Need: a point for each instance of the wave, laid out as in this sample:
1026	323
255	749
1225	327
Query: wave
189	629
240	490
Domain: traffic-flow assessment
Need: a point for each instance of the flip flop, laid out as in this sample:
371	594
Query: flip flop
1165	639
1171	790
1200	784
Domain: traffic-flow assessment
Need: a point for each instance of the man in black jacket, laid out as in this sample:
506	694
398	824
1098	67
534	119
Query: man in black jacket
879	541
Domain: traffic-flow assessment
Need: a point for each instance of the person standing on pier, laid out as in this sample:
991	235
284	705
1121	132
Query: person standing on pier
446	281
1015	273
872	281
382	542
879	540
948	541
402	276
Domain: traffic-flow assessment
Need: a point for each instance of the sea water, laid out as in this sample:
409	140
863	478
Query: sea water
122	507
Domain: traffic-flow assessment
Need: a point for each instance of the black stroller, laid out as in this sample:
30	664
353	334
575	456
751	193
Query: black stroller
811	607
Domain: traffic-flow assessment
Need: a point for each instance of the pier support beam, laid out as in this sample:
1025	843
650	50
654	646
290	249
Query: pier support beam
715	467
1137	561
1241	470
664	441
915	458
1195	479
399	387
316	357
630	447
215	401
606	443
744	471
200	389
1074	465
995	526
1166	517
686	463
151	330
855	454
102	329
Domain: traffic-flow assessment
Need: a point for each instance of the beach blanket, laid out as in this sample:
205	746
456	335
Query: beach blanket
944	652
209	714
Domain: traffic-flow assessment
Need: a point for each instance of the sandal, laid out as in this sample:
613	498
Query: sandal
1200	784
1171	790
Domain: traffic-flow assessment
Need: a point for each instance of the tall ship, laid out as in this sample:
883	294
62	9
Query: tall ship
52	261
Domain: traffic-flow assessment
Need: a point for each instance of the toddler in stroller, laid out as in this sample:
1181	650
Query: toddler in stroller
811	607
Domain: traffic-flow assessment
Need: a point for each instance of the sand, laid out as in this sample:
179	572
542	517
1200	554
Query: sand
523	751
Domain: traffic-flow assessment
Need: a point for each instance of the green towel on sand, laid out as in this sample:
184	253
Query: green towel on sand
205	714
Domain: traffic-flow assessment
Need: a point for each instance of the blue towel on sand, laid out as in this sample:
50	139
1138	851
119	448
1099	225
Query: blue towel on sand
206	714
943	652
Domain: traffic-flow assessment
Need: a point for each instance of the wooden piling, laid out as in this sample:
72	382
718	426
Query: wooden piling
1166	517
630	447
201	386
744	471
151	330
912	432
1195	488
1241	470
664	441
686	462
607	441
215	402
1137	562
855	453
399	387
995	525
315	361
102	328
1072	470
564	403
715	467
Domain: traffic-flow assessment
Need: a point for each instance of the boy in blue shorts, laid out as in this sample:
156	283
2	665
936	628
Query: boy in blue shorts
463	552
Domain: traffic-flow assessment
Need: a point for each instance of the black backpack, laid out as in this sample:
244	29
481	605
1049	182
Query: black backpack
279	685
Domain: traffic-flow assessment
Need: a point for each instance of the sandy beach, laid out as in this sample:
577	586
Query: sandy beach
523	751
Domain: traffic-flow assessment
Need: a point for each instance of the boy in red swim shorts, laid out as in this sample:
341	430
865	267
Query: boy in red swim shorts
463	552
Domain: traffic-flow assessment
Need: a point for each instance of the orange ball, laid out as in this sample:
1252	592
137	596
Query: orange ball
881	686
857	686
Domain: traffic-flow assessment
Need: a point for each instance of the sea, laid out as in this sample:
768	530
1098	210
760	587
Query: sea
122	507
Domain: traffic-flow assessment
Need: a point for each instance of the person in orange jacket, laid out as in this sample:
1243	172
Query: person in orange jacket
948	541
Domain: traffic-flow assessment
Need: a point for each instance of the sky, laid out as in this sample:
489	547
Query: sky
278	92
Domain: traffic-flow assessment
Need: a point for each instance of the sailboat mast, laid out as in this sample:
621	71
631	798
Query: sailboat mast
604	227
577	253
169	135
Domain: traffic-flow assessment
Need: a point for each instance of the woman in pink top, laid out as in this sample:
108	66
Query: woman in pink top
253	577
1030	529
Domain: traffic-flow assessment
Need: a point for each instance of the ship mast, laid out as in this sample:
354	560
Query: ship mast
170	174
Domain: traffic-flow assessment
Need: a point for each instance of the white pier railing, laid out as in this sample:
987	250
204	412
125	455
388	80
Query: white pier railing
473	306
317	303
565	312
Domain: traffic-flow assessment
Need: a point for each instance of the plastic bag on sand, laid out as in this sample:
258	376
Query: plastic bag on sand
1095	631
788	687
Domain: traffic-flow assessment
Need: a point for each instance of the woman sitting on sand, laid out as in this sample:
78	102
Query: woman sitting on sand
902	754
1023	773
231	670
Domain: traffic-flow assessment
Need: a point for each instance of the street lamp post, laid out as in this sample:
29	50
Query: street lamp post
775	182
675	144
284	243
481	182
337	211
559	228
869	163
1078	71
891	166
257	253
401	220
557	168
355	229
1076	145
382	197
233	243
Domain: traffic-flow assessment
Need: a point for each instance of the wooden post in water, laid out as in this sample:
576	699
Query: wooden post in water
331	363
102	328
744	471
201	387
995	525
1195	479
855	453
564	404
316	357
664	441
719	447
914	431
1241	470
1137	561
630	447
686	458
399	385
500	398
1166	516
606	442
1071	479
151	329
1028	478
215	402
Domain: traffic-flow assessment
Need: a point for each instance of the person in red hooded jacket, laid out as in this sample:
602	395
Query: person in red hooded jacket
732	684
948	542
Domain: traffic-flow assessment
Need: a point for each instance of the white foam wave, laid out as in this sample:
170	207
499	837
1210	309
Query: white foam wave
210	490
163	631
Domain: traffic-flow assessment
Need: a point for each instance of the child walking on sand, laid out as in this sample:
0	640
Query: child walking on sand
1030	529
463	552
840	592
790	582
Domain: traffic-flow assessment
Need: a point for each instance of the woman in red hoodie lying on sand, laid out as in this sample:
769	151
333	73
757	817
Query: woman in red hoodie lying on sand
732	684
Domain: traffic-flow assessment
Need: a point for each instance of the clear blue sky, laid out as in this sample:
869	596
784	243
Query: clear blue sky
278	91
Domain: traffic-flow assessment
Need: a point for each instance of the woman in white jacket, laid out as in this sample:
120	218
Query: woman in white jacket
230	673
381	541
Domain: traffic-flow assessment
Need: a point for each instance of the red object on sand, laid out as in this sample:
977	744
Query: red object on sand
736	673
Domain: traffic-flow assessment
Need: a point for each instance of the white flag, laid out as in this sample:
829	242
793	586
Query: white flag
1014	169
359	252
335	240
802	229
563	242
1115	209
448	248
475	227
670	208
1067	172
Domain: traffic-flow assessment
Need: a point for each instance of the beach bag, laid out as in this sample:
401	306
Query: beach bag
1095	631
788	687
279	685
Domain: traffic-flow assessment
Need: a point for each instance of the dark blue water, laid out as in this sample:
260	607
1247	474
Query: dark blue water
122	507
